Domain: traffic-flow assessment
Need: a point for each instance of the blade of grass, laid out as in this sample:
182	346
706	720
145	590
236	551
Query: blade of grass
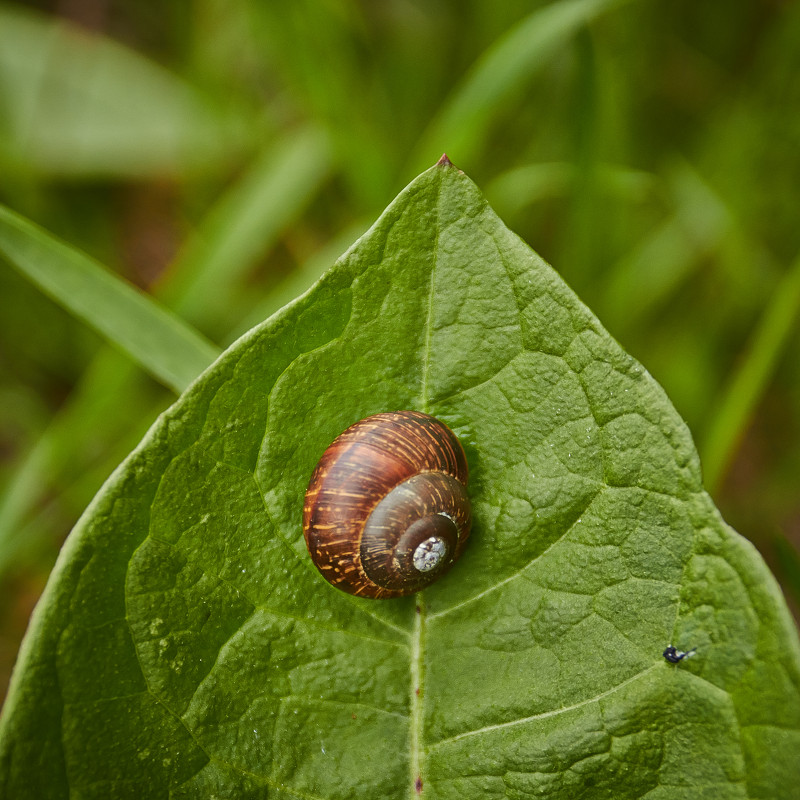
236	232
318	50
79	103
579	250
87	435
165	346
750	380
505	66
244	224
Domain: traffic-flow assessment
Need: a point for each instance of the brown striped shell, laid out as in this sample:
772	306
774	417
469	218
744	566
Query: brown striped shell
386	511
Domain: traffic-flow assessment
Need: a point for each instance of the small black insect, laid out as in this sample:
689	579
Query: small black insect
675	656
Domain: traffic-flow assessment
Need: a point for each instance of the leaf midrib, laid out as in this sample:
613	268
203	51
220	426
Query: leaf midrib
416	693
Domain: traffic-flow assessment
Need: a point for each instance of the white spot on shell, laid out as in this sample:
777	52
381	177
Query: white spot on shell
429	553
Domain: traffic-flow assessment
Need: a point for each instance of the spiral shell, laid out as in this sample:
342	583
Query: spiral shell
387	511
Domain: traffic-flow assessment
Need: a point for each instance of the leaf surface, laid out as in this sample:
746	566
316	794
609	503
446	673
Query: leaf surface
187	647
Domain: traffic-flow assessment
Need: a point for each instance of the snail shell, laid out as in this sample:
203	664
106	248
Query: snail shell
387	512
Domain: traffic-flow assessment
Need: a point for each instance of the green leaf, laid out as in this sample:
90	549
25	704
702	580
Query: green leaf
187	647
169	349
77	104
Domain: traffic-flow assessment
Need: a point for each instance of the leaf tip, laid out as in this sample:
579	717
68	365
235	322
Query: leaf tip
444	161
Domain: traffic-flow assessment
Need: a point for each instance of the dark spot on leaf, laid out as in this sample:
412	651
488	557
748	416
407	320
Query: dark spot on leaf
675	656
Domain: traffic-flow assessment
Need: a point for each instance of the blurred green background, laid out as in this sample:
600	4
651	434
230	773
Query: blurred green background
222	153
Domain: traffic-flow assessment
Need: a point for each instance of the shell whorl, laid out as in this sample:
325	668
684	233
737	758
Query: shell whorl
360	537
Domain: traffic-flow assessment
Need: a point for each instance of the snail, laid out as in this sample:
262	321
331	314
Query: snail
386	511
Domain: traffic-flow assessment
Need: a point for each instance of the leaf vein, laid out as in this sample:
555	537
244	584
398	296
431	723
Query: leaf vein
546	714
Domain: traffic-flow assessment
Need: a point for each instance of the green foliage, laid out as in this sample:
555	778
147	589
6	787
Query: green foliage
78	106
220	155
769	340
211	152
161	343
187	647
501	72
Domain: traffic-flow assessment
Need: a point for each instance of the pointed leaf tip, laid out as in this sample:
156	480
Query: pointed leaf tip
444	161
186	642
